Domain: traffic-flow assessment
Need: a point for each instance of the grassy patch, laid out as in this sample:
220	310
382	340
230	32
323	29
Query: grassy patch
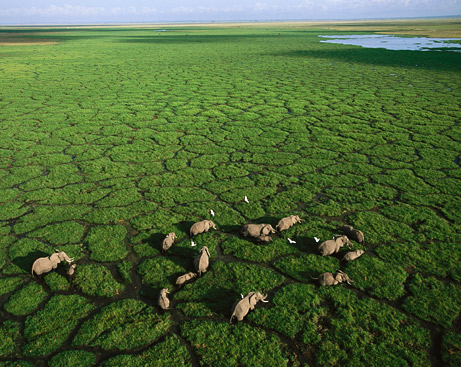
376	277
8	285
236	344
26	300
124	324
295	307
433	300
358	332
77	358
47	329
56	282
10	335
107	243
451	349
167	353
96	280
247	250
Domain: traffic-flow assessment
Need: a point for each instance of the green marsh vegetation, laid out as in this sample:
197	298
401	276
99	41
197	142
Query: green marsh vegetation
113	137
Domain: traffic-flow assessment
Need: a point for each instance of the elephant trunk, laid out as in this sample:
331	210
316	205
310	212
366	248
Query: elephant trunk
264	299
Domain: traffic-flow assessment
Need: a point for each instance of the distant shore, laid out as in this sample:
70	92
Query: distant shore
429	27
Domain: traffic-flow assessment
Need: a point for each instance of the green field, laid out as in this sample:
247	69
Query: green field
110	138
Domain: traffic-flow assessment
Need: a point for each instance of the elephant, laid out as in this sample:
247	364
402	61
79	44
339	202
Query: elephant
247	303
48	263
257	230
327	279
71	270
287	222
343	277
264	239
202	260
352	255
168	241
184	278
163	300
331	246
353	234
330	279
201	227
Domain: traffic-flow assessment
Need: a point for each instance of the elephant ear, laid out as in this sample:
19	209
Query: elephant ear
56	250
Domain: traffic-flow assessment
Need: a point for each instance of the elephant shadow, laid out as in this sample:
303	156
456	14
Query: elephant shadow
155	240
220	300
230	228
185	226
307	244
267	220
25	262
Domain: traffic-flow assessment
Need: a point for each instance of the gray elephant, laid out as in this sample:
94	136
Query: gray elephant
201	227
257	230
241	308
71	270
163	300
168	241
353	234
202	261
343	277
264	239
48	263
331	246
352	255
330	279
184	278
287	222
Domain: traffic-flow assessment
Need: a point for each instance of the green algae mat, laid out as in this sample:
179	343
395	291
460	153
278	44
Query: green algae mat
110	138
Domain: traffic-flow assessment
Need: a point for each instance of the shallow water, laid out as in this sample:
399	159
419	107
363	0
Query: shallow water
396	43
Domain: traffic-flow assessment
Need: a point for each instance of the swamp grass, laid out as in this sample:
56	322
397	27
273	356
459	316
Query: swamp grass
113	137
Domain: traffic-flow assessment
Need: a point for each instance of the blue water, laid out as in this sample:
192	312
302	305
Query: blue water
397	43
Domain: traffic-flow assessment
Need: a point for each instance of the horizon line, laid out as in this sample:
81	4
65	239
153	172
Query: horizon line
195	22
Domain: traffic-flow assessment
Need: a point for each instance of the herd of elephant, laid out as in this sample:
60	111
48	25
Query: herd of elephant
259	232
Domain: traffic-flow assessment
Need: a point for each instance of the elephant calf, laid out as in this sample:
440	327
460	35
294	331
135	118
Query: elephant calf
247	303
257	230
329	279
331	246
202	261
287	222
352	255
163	300
48	263
71	270
264	239
353	234
184	278
168	241
201	227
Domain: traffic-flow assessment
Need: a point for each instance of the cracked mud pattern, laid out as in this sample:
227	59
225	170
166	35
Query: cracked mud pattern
110	139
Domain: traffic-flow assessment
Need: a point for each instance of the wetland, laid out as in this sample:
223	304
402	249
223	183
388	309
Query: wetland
113	137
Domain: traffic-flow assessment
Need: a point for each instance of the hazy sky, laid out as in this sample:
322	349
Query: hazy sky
94	11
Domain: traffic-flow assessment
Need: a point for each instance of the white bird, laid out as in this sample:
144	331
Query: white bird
242	295
246	200
290	240
316	239
212	212
192	243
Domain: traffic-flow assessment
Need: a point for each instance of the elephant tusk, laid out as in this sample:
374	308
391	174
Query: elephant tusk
264	301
